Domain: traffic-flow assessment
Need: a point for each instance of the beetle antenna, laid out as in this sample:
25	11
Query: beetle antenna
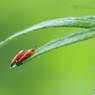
35	47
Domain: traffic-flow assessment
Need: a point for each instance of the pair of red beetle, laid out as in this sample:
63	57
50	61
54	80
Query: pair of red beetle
20	57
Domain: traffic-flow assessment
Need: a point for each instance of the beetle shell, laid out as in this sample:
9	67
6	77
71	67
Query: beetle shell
17	57
25	56
21	56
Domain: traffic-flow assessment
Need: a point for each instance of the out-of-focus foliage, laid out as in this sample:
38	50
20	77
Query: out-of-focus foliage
86	8
66	71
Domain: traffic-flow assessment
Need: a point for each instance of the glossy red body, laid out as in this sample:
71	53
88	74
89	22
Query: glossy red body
21	56
17	57
25	56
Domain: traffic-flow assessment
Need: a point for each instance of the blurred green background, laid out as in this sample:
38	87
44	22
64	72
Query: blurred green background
69	70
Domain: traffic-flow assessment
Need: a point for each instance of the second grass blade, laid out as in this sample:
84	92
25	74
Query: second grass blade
63	41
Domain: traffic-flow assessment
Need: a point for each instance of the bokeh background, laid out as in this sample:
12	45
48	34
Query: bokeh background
69	70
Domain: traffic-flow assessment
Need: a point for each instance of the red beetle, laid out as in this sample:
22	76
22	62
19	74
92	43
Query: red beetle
20	57
17	57
25	56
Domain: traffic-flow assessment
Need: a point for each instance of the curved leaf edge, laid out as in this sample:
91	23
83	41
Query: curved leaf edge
82	22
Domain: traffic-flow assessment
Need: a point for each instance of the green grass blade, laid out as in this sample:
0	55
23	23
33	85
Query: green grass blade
90	17
63	41
61	22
